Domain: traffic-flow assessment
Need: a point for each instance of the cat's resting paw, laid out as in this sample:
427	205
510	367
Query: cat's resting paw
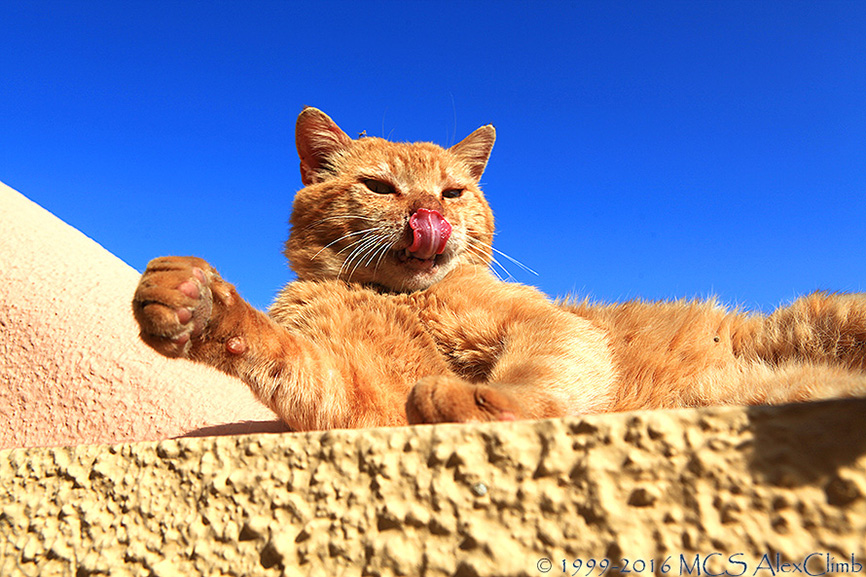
174	303
446	399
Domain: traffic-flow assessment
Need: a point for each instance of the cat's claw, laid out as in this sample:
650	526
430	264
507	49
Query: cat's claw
446	399
173	303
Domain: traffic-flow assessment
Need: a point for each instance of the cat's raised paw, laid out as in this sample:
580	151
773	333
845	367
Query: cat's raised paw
173	303
447	399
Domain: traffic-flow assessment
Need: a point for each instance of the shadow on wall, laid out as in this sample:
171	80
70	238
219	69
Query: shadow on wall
243	428
830	435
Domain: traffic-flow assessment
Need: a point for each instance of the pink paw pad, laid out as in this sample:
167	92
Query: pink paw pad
190	289
184	316
236	345
507	416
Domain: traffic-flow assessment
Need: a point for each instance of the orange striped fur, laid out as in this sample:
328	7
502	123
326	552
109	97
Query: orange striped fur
396	317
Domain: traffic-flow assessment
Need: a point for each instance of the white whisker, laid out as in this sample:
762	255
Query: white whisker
366	244
345	236
360	247
485	256
515	261
499	252
370	249
381	258
320	221
386	246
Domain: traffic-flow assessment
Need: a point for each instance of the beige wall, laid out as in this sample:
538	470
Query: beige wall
72	368
450	500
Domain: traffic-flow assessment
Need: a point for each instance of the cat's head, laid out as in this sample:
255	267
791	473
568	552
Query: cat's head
393	214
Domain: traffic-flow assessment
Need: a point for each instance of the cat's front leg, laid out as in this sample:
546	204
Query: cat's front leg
185	309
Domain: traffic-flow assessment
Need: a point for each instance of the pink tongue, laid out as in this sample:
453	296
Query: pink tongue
430	232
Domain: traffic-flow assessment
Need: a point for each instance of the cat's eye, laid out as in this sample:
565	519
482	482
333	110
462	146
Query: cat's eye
379	187
452	193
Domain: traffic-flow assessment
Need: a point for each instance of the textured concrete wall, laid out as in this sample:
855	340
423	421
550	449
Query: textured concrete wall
731	487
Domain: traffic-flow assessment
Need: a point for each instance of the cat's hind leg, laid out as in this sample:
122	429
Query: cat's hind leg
450	399
760	383
821	327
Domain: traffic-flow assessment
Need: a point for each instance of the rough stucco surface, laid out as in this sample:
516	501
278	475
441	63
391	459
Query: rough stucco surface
732	486
72	368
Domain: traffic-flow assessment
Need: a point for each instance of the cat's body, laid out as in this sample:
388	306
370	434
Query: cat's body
396	318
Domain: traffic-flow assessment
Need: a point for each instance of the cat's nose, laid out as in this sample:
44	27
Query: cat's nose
430	233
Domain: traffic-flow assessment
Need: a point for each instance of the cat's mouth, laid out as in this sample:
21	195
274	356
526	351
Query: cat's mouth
414	262
430	232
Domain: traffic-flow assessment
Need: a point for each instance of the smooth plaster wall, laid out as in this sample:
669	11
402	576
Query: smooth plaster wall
732	486
72	368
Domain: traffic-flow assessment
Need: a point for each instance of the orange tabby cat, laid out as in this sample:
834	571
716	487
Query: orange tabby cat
396	318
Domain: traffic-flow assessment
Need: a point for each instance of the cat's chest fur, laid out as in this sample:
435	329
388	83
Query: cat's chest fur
439	324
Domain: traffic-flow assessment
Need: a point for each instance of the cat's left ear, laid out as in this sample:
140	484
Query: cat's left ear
474	150
318	138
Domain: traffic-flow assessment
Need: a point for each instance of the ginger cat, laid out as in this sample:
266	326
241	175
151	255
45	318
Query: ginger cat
397	319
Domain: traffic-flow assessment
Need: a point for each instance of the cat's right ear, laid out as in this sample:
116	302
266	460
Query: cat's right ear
318	138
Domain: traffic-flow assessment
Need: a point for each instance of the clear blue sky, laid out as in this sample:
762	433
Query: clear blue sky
645	149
